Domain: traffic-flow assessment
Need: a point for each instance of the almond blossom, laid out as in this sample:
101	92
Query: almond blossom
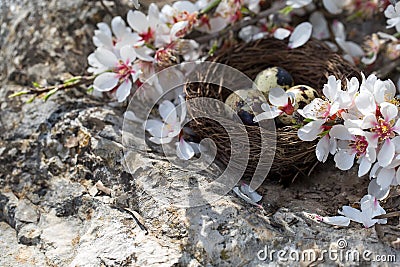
170	127
370	208
115	73
352	147
281	102
120	35
392	12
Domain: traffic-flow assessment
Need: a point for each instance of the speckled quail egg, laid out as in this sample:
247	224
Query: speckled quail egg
271	78
302	95
238	102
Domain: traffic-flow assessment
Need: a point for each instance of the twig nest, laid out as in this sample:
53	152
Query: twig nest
302	95
246	104
310	64
271	78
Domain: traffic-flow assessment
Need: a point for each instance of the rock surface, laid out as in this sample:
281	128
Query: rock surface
53	155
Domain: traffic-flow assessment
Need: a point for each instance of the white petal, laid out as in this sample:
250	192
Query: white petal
118	27
369	121
298	3
104	28
124	90
106	57
301	34
322	149
320	26
385	177
138	21
337	220
386	154
311	130
281	33
344	159
184	150
101	39
365	103
185	6
389	111
156	128
365	166
168	112
352	49
245	188
333	6
243	196
340	132
273	112
105	81
352	213
375	190
144	53
338	30
128	54
278	97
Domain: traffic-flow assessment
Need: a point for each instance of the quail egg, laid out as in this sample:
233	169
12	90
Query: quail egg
272	78
247	104
302	96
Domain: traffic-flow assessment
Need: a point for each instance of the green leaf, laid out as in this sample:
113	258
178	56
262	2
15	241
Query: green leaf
90	90
286	10
50	93
308	120
36	85
18	94
30	100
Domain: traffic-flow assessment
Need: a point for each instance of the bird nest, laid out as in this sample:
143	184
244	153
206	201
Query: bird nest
309	65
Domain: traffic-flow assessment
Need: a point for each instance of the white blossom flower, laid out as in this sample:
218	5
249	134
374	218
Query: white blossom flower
116	73
149	28
353	147
370	208
123	35
281	101
170	127
393	14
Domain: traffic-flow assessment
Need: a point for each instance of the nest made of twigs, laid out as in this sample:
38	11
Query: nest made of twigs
310	65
